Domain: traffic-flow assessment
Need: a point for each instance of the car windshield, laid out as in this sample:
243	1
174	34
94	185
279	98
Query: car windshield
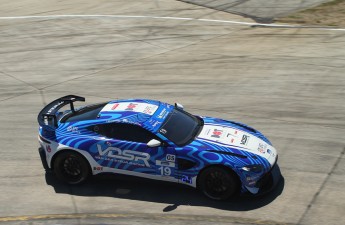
181	127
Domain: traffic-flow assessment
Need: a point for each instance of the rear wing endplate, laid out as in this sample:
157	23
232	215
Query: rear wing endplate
47	116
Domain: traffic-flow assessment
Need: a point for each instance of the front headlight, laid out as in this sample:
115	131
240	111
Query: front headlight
253	168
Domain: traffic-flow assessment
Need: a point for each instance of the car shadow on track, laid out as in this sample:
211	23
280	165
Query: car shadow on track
133	188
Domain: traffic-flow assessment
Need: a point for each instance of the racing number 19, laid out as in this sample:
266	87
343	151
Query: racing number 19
165	171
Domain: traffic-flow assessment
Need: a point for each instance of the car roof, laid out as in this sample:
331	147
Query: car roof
134	111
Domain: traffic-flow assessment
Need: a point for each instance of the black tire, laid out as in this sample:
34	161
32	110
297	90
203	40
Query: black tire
71	167
218	183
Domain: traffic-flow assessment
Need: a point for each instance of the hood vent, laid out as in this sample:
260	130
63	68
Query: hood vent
227	153
244	126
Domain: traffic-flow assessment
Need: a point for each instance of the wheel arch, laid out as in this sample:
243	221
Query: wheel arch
52	162
222	166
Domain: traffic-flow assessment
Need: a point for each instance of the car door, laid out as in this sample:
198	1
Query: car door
164	162
125	150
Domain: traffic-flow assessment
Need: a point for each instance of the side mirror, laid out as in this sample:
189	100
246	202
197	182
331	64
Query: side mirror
179	106
153	143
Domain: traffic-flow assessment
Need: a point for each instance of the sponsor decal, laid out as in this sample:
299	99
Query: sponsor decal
165	163
124	156
229	134
165	171
130	122
48	148
162	114
131	106
115	106
262	148
186	179
156	123
54	107
149	110
170	158
163	131
217	133
269	151
98	168
146	108
232	139
244	139
73	129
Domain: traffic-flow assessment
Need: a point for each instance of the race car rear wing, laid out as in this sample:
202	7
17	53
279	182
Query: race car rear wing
47	116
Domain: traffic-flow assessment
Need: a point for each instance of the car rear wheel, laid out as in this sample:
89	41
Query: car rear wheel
218	183
71	167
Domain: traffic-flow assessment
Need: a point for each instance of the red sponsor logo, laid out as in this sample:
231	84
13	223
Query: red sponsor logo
48	148
216	133
98	168
131	106
148	110
114	106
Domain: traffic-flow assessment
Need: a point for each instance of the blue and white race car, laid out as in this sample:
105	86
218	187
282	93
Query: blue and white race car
155	140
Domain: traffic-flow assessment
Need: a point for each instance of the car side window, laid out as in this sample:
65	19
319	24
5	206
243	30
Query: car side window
123	131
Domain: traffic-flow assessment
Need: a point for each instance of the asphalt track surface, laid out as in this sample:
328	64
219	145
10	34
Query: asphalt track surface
287	82
258	10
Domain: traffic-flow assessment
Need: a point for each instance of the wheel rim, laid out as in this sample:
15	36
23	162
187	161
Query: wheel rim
71	168
217	184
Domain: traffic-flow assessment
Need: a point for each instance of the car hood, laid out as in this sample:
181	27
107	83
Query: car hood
226	135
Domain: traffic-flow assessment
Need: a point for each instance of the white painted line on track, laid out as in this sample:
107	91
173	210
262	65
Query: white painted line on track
273	25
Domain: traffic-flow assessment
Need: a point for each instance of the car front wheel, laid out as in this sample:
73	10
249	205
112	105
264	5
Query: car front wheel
218	183
72	168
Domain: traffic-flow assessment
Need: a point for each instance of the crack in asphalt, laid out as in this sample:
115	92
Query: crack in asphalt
316	195
132	61
228	10
76	211
41	90
15	96
17	79
44	102
269	118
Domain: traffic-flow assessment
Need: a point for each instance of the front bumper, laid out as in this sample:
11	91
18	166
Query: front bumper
269	181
